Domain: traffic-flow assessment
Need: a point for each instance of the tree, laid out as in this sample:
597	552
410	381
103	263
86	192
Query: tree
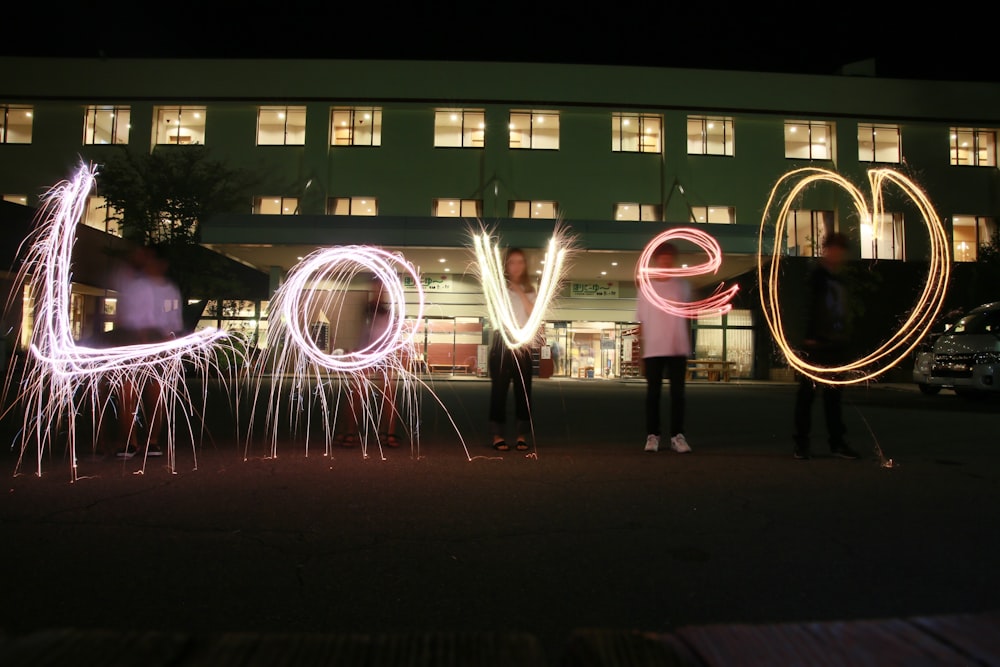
161	197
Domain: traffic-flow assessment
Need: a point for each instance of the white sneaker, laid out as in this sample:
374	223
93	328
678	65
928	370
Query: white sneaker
652	443
679	444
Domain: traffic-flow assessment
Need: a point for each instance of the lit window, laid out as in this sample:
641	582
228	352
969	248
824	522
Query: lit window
635	133
879	143
977	148
180	125
883	237
633	211
107	125
352	206
356	126
969	233
458	208
281	126
808	140
805	231
276	205
534	209
16	199
720	215
459	128
534	129
710	135
100	216
15	124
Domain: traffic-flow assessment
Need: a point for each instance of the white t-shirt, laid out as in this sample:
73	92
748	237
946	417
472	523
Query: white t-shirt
150	305
521	314
663	334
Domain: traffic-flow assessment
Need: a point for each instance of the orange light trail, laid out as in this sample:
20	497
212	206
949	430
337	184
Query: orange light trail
928	304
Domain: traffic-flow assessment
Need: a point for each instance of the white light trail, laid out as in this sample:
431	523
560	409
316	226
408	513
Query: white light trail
318	285
62	380
900	344
490	269
718	303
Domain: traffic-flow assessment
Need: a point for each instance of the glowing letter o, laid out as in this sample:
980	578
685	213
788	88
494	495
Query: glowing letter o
928	303
294	300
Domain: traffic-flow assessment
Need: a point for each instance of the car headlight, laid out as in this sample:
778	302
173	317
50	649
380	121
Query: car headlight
986	358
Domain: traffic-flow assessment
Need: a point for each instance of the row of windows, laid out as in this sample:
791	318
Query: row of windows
535	130
883	238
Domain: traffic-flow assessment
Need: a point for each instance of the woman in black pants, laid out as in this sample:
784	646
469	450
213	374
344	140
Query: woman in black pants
512	366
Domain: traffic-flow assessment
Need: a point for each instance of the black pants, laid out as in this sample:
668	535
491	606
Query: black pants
510	366
832	411
676	368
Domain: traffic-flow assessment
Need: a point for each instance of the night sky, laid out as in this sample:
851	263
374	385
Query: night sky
755	37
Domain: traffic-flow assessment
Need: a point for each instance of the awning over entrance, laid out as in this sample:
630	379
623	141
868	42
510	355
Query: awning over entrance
606	250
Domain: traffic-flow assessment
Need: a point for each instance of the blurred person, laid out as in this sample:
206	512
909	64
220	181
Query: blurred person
148	311
381	380
508	366
824	343
665	345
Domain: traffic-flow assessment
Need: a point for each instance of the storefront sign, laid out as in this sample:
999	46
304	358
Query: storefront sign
607	289
431	282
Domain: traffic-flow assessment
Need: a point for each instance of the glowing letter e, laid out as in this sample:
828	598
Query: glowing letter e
718	303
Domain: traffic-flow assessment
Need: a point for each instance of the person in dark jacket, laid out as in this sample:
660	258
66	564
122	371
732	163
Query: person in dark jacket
825	343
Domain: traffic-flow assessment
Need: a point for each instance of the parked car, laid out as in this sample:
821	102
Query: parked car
964	356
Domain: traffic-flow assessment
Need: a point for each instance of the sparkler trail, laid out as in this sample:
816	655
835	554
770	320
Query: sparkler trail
898	346
62	380
490	269
719	302
318	284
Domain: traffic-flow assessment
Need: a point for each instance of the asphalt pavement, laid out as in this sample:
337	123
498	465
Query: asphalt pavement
263	530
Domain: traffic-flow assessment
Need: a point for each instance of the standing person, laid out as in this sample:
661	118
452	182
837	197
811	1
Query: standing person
824	344
507	365
149	311
381	380
665	345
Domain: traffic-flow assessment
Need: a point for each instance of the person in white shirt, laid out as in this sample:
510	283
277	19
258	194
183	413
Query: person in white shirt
148	311
665	345
508	366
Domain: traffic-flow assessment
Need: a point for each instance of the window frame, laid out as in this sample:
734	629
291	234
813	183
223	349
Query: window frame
897	223
978	133
875	128
476	205
730	212
158	116
647	212
983	225
820	222
259	200
375	134
116	110
532	115
473	142
284	109
534	204
811	127
5	123
352	203
641	119
728	138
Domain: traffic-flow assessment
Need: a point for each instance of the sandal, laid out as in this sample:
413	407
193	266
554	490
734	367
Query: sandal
501	446
392	440
521	446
